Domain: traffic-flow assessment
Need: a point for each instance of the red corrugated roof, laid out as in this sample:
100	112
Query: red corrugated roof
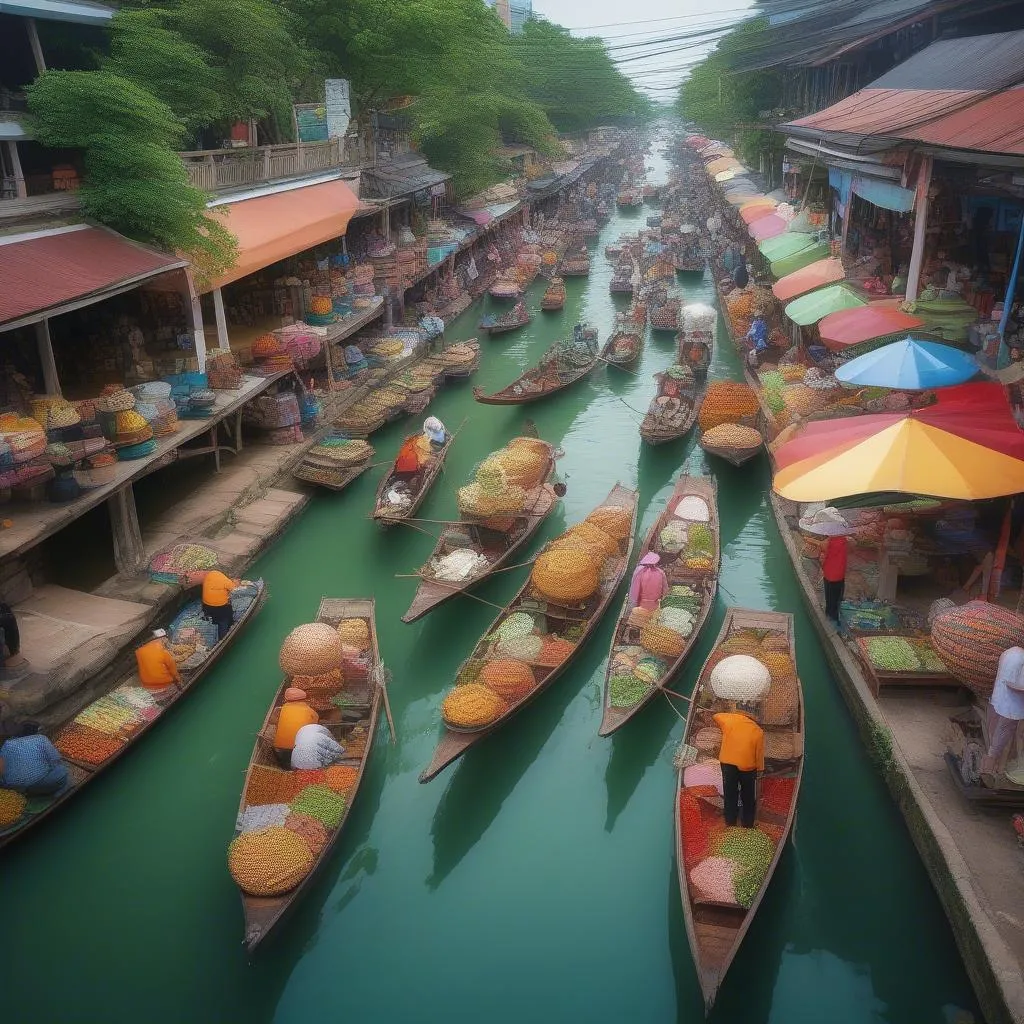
43	273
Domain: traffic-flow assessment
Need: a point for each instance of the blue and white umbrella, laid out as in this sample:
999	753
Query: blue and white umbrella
910	365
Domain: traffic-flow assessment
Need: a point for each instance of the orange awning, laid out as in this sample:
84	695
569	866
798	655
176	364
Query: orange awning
272	228
817	275
725	163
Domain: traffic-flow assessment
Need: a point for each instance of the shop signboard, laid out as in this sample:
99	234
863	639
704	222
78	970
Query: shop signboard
338	107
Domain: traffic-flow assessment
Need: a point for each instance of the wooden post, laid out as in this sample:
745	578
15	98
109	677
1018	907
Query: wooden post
129	553
195	317
924	180
45	346
222	320
33	42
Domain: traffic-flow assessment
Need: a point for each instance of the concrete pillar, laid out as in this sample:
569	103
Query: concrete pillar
924	181
33	42
129	553
19	177
222	320
195	318
45	346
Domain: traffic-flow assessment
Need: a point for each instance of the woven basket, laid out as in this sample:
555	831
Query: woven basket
116	401
970	639
311	649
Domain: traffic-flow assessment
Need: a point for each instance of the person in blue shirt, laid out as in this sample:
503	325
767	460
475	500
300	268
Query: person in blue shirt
30	763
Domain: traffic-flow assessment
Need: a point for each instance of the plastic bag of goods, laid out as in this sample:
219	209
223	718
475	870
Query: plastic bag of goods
310	649
269	861
692	508
472	501
661	640
740	677
525	464
614	520
673	537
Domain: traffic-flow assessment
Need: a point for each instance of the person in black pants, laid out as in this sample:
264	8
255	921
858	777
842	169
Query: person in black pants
741	757
10	636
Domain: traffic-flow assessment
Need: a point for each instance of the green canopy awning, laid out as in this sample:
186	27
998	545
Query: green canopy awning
810	308
787	244
804	258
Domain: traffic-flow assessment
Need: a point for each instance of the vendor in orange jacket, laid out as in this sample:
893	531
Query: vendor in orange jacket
217	601
156	665
741	757
294	714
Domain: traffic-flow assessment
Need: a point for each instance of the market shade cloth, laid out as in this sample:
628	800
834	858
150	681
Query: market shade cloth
726	175
725	163
768	227
740	198
966	446
741	186
809	309
801	259
910	364
749	212
865	323
272	228
716	151
45	274
789	244
957	93
817	275
697	141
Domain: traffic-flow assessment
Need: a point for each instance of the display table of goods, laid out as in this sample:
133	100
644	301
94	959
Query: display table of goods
524	647
687	547
288	817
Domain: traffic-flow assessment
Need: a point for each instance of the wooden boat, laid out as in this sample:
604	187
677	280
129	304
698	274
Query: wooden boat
498	546
387	514
673	411
554	296
558	618
461	371
621	286
546	378
629	199
575	265
734	456
518	316
666	316
505	291
716	929
317	467
80	773
353	724
613	252
688	264
624	347
704	584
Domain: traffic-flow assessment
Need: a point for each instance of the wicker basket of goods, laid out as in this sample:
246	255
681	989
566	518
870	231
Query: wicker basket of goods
311	649
117	400
614	520
512	680
970	639
355	633
471	707
732	437
131	429
523	465
595	537
321	305
267	345
269	861
727	402
567	576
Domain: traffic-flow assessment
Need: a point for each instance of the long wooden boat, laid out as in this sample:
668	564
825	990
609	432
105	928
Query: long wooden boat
387	514
624	347
461	371
665	317
317	467
689	264
673	411
575	265
82	772
497	546
620	286
559	619
518	316
716	928
546	378
354	725
734	456
620	707
505	291
554	296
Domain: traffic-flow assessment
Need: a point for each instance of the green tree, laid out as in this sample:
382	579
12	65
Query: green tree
134	181
725	101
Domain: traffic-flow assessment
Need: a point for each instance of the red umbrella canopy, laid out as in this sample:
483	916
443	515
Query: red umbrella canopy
979	413
865	323
768	227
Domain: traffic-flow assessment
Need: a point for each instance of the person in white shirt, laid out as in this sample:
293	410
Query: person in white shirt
316	748
1006	706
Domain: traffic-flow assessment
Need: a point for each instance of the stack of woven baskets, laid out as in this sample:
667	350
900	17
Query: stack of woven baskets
223	371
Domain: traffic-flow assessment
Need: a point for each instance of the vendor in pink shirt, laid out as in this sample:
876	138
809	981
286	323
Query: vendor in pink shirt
649	584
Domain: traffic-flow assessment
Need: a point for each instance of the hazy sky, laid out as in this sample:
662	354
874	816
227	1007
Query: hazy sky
644	22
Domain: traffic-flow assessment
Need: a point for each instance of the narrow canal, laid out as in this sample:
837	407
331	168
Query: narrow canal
536	879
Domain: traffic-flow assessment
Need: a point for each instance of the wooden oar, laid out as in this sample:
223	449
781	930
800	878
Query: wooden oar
380	673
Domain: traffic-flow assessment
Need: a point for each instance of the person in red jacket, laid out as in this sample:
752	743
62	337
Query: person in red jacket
833	569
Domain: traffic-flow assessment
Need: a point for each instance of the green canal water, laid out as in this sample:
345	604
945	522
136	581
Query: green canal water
535	879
